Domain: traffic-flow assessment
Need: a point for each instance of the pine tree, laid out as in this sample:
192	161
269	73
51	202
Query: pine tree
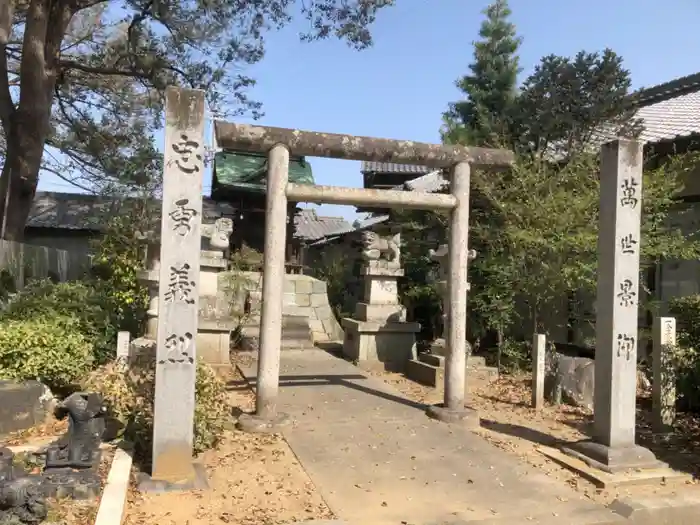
482	119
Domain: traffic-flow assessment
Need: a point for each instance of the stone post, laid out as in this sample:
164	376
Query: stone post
178	297
266	417
664	381
123	342
441	256
613	447
453	408
539	349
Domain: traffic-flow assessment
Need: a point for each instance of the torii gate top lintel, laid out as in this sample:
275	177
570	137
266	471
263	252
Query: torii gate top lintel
261	139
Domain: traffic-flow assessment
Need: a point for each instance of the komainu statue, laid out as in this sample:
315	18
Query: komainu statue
80	447
223	228
384	248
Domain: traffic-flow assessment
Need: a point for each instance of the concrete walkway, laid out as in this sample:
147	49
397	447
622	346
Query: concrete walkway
377	458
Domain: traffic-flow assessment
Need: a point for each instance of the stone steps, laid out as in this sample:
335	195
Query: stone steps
429	369
296	335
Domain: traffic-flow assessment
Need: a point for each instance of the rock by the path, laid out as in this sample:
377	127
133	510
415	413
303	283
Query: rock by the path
571	380
23	405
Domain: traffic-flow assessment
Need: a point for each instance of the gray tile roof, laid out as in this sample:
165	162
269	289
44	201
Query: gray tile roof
75	211
432	182
390	167
310	226
364	225
667	112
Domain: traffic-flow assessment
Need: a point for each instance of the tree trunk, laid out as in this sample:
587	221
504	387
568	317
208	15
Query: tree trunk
25	147
27	126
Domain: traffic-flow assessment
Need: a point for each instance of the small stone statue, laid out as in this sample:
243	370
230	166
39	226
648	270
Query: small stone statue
79	448
22	498
376	247
223	228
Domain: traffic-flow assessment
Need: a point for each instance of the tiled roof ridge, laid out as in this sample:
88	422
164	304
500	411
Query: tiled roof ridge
672	89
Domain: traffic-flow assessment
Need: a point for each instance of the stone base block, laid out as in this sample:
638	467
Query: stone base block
613	459
254	424
438	347
74	484
465	416
429	370
214	340
424	373
607	480
382	313
393	343
199	481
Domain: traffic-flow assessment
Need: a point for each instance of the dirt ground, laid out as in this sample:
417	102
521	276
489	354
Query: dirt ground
254	480
510	424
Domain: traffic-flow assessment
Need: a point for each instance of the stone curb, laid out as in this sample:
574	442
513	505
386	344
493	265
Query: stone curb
113	501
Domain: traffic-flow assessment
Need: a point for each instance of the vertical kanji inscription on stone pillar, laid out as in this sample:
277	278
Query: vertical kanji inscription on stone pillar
618	292
178	293
613	447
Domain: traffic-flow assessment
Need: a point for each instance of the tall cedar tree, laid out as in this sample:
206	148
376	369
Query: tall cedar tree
82	81
482	119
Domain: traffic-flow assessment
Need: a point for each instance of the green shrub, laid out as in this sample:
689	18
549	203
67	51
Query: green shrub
85	301
117	259
129	395
49	349
515	355
686	357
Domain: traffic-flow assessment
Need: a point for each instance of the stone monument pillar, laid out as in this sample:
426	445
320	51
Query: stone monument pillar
178	296
379	331
613	447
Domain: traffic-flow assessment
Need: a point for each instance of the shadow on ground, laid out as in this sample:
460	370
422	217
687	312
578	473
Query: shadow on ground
529	434
346	381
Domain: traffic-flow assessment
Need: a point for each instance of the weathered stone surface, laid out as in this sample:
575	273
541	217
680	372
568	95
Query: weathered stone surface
261	139
617	311
22	405
381	252
297	299
22	497
304	286
318	299
79	448
123	343
571	380
179	281
539	349
664	384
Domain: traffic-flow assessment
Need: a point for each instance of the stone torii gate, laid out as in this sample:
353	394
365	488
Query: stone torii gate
279	144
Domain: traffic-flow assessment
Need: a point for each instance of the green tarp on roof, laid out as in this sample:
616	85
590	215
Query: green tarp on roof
247	171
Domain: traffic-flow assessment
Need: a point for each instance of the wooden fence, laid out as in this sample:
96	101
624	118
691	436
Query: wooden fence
27	261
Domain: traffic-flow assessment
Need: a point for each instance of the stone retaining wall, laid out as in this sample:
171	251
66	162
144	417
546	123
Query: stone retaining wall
304	296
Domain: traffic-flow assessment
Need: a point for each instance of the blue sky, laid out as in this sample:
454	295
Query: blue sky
400	87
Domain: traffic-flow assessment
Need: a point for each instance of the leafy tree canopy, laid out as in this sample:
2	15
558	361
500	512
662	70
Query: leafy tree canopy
86	78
